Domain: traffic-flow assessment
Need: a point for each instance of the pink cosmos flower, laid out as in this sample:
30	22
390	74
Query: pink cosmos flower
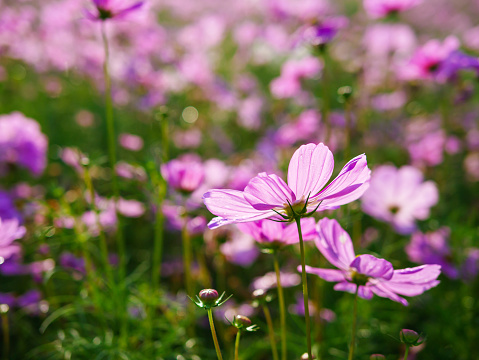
372	275
268	196
399	197
381	8
185	174
427	60
131	142
10	230
268	281
112	9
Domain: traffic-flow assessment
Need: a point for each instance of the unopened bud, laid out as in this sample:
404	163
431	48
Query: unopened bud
241	321
306	357
209	296
410	337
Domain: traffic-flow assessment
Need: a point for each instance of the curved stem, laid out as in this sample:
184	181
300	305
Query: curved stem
269	321
305	288
355	317
282	308
406	353
238	335
213	333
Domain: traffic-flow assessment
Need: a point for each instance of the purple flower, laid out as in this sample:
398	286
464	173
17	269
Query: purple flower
22	143
266	195
185	174
372	275
131	142
432	248
399	197
240	249
271	234
381	8
323	32
111	9
10	230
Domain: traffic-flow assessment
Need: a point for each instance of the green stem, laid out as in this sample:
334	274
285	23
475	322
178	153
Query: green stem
305	288
101	233
238	335
116	193
406	353
6	334
187	254
347	133
282	308
112	147
213	333
159	221
355	317
269	321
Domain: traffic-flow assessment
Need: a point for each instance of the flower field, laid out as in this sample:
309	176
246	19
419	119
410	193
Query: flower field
260	179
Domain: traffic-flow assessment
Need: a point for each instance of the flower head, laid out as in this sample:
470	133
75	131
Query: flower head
112	9
243	323
209	298
367	274
185	174
399	197
268	196
410	337
381	8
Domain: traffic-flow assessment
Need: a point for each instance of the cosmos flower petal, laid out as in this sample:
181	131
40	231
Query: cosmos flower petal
345	286
383	291
331	275
122	13
310	169
349	185
231	207
373	267
365	292
266	192
414	281
334	243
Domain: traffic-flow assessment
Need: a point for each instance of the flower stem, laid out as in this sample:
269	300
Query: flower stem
406	353
6	334
116	193
112	147
238	335
282	312
305	288
269	321
160	188
187	254
355	317
213	333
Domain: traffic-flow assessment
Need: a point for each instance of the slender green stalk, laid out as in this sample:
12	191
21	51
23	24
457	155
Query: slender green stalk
6	332
269	321
305	288
406	353
213	333
355	318
347	133
112	148
160	187
282	309
187	255
101	233
238	335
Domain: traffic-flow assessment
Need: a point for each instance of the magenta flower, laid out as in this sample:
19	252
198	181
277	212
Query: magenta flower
381	8
268	196
272	235
184	175
112	9
372	275
432	248
399	197
10	230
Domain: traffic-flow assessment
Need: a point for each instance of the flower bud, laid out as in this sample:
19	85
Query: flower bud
241	321
377	357
410	337
306	357
209	296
